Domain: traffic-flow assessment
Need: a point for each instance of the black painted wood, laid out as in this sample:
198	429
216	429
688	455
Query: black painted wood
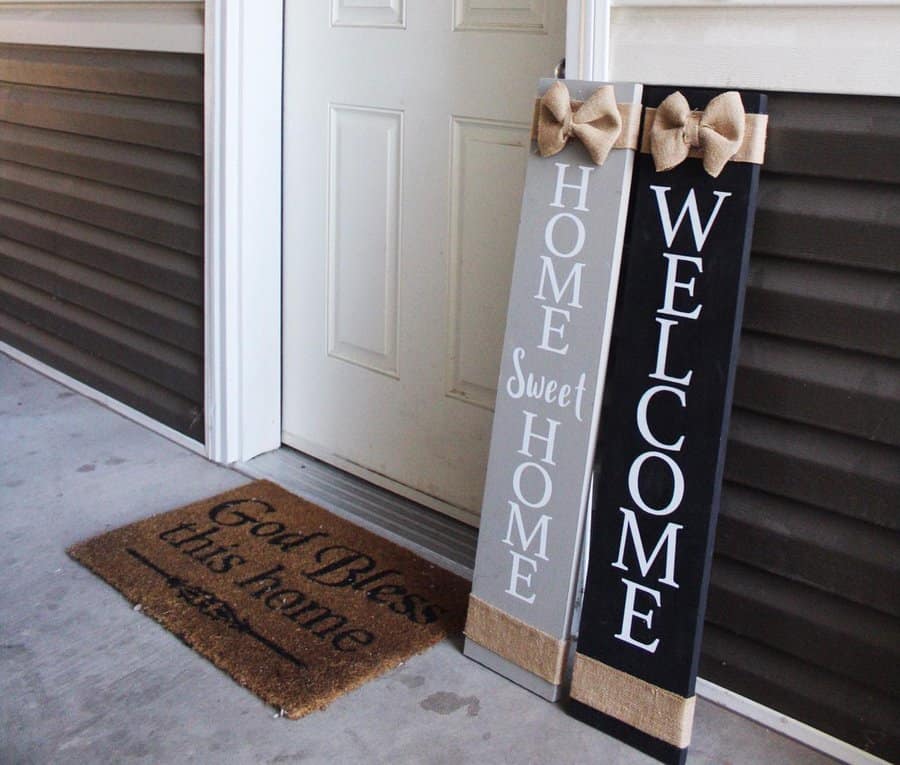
663	649
808	515
660	750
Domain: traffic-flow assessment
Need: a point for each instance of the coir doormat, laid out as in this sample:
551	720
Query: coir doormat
297	605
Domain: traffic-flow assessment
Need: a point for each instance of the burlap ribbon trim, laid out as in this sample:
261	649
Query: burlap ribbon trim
642	705
752	148
630	114
514	640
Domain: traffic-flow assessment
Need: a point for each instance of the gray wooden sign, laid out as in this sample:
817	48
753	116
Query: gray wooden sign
548	404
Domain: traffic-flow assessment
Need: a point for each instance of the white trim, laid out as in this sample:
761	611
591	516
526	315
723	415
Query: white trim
785	725
765	45
173	26
602	31
587	39
101	398
244	42
848	4
579	39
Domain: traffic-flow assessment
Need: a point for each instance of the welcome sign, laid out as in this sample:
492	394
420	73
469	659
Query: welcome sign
665	422
551	379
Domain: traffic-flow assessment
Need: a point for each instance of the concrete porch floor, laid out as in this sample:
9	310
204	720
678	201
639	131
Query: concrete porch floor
85	679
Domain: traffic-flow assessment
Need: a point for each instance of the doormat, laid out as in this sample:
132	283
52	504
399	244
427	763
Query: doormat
297	605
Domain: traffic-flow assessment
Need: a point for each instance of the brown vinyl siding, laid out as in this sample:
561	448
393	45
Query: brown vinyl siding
101	221
804	607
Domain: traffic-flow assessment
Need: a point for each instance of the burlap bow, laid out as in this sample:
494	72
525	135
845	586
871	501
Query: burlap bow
596	123
717	131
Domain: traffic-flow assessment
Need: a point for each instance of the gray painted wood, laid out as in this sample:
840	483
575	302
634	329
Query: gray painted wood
541	453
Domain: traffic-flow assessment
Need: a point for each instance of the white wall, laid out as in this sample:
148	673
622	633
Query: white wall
818	47
828	46
175	26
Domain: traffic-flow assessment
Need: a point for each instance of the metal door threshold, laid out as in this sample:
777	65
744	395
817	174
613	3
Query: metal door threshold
437	538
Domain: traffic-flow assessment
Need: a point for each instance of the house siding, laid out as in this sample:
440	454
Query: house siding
804	607
101	221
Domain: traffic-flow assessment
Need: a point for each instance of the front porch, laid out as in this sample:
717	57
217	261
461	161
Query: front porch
85	679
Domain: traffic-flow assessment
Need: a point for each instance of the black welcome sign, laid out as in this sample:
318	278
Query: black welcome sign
662	442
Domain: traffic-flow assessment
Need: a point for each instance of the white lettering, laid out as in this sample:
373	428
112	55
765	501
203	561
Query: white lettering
541	388
558	330
574	278
634	488
667	539
545	477
582	186
549	439
579	395
690	208
668	307
515	577
550	231
630	614
662	353
540	528
644	426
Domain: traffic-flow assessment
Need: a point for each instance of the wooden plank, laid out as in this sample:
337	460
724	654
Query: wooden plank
826	221
830	136
102	223
852	393
813	626
168	408
850	476
548	405
661	453
844	308
860	715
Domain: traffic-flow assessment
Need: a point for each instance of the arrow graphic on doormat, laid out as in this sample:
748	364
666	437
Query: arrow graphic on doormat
213	607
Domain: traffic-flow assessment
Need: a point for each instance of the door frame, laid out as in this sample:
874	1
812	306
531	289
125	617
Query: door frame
243	108
243	86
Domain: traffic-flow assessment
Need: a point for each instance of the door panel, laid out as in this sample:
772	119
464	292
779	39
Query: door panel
406	133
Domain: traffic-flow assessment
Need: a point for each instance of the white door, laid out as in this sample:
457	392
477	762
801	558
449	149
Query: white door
405	137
